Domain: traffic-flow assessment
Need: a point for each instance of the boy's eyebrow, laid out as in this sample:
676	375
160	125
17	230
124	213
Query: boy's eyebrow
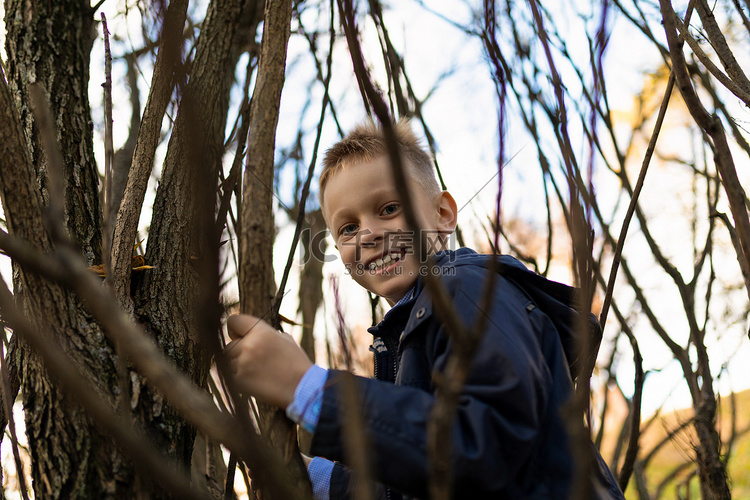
338	214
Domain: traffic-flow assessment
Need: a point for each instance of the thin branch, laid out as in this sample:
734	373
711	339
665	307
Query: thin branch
634	202
256	239
736	244
712	126
730	84
719	44
8	396
741	11
109	149
355	437
465	340
582	240
635	415
13	385
232	181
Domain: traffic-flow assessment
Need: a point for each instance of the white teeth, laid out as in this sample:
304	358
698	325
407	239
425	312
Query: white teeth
382	262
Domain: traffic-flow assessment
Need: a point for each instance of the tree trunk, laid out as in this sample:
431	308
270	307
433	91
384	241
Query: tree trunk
49	43
165	297
257	285
311	280
69	456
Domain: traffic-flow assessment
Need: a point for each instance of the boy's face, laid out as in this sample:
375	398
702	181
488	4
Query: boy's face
364	213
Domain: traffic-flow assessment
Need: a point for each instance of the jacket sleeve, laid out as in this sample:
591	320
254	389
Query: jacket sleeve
500	410
345	485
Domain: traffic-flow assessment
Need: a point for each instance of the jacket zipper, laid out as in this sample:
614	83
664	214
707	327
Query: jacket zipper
392	348
375	361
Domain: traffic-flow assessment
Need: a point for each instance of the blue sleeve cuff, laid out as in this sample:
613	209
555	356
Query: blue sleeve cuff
308	398
320	471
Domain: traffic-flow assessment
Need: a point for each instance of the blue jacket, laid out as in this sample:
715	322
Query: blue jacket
509	439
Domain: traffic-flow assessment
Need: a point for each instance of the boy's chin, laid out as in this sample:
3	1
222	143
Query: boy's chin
392	293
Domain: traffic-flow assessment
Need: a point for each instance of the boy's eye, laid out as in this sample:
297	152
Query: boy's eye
391	209
348	230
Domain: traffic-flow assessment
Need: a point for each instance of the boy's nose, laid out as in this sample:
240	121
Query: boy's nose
371	232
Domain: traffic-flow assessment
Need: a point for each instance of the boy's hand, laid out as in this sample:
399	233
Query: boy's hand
265	363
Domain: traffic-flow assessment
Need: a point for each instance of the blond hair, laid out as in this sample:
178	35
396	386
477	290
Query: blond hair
366	142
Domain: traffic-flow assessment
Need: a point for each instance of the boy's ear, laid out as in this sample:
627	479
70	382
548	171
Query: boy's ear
447	213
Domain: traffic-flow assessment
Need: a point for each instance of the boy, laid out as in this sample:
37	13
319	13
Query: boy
509	439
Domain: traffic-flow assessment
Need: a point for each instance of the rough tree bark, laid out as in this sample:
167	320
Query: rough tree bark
69	455
49	43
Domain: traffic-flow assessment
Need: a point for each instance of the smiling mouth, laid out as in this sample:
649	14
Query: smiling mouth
379	264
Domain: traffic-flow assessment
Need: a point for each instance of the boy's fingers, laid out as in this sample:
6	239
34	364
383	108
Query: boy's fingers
238	325
230	347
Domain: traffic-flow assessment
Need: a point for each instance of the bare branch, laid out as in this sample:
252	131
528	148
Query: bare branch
719	43
301	210
635	415
109	149
9	393
465	340
634	201
712	126
733	86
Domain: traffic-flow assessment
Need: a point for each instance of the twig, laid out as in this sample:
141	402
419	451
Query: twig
580	231
232	180
355	437
499	65
440	297
635	415
8	407
465	341
719	43
14	383
736	244
712	470
109	152
730	84
712	126
109	149
344	344
745	19
229	482
617	254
